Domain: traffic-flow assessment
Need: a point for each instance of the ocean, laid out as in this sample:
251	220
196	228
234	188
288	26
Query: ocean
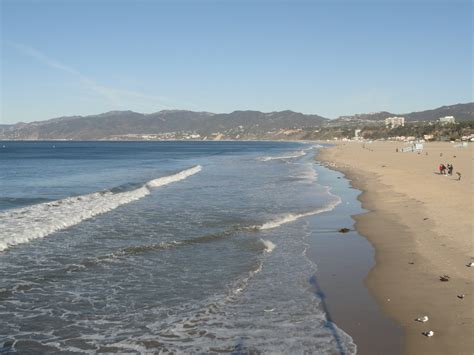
162	247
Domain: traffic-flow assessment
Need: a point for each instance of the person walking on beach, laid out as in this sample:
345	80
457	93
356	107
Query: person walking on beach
442	169
450	169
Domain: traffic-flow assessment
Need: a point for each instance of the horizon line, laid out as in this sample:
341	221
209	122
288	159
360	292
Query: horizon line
227	113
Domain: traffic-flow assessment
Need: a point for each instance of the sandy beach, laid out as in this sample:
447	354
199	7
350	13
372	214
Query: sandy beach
420	223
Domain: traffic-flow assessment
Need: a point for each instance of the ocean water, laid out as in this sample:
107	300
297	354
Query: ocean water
161	247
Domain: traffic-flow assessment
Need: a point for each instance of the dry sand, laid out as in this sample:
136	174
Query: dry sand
421	225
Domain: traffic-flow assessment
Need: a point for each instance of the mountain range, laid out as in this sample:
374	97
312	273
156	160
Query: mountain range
180	124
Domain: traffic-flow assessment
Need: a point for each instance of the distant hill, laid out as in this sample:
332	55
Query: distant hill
462	112
180	124
373	116
119	123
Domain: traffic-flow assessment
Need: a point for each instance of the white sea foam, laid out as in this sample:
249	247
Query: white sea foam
291	217
269	246
309	174
241	284
174	178
37	221
284	157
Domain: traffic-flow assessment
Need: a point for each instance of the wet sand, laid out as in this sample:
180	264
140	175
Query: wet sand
420	224
343	262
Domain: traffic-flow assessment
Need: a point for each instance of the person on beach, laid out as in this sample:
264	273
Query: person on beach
450	169
442	169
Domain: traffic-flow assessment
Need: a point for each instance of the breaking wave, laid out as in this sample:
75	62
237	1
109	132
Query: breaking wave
37	221
284	157
269	246
291	217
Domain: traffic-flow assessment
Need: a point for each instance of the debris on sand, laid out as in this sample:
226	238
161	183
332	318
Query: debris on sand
444	278
344	230
422	319
429	333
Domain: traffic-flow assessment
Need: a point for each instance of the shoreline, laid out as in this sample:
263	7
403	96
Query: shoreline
412	247
343	262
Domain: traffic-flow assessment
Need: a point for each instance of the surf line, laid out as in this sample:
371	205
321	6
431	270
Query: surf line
284	157
37	221
291	217
267	245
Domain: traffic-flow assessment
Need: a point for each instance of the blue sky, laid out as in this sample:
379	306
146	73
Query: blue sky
326	57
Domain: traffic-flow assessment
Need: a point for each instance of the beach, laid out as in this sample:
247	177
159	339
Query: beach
420	224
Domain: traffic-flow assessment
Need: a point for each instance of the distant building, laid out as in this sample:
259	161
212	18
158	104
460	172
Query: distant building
357	134
393	122
447	119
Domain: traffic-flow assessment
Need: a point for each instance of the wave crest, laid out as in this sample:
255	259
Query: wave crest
291	217
284	157
37	221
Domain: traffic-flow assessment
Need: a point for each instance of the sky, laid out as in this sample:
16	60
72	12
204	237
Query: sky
332	58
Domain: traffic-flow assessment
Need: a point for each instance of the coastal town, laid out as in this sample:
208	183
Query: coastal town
424	126
392	128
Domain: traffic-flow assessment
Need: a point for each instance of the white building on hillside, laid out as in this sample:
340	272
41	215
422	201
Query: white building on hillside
447	119
393	122
357	134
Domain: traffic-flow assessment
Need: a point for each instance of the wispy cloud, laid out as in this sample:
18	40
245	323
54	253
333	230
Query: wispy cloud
117	97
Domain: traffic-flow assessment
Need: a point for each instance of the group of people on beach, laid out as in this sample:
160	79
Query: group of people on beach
447	170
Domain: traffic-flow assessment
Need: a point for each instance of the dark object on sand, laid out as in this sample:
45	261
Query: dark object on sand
459	175
426	218
429	333
344	230
461	297
411	263
444	278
